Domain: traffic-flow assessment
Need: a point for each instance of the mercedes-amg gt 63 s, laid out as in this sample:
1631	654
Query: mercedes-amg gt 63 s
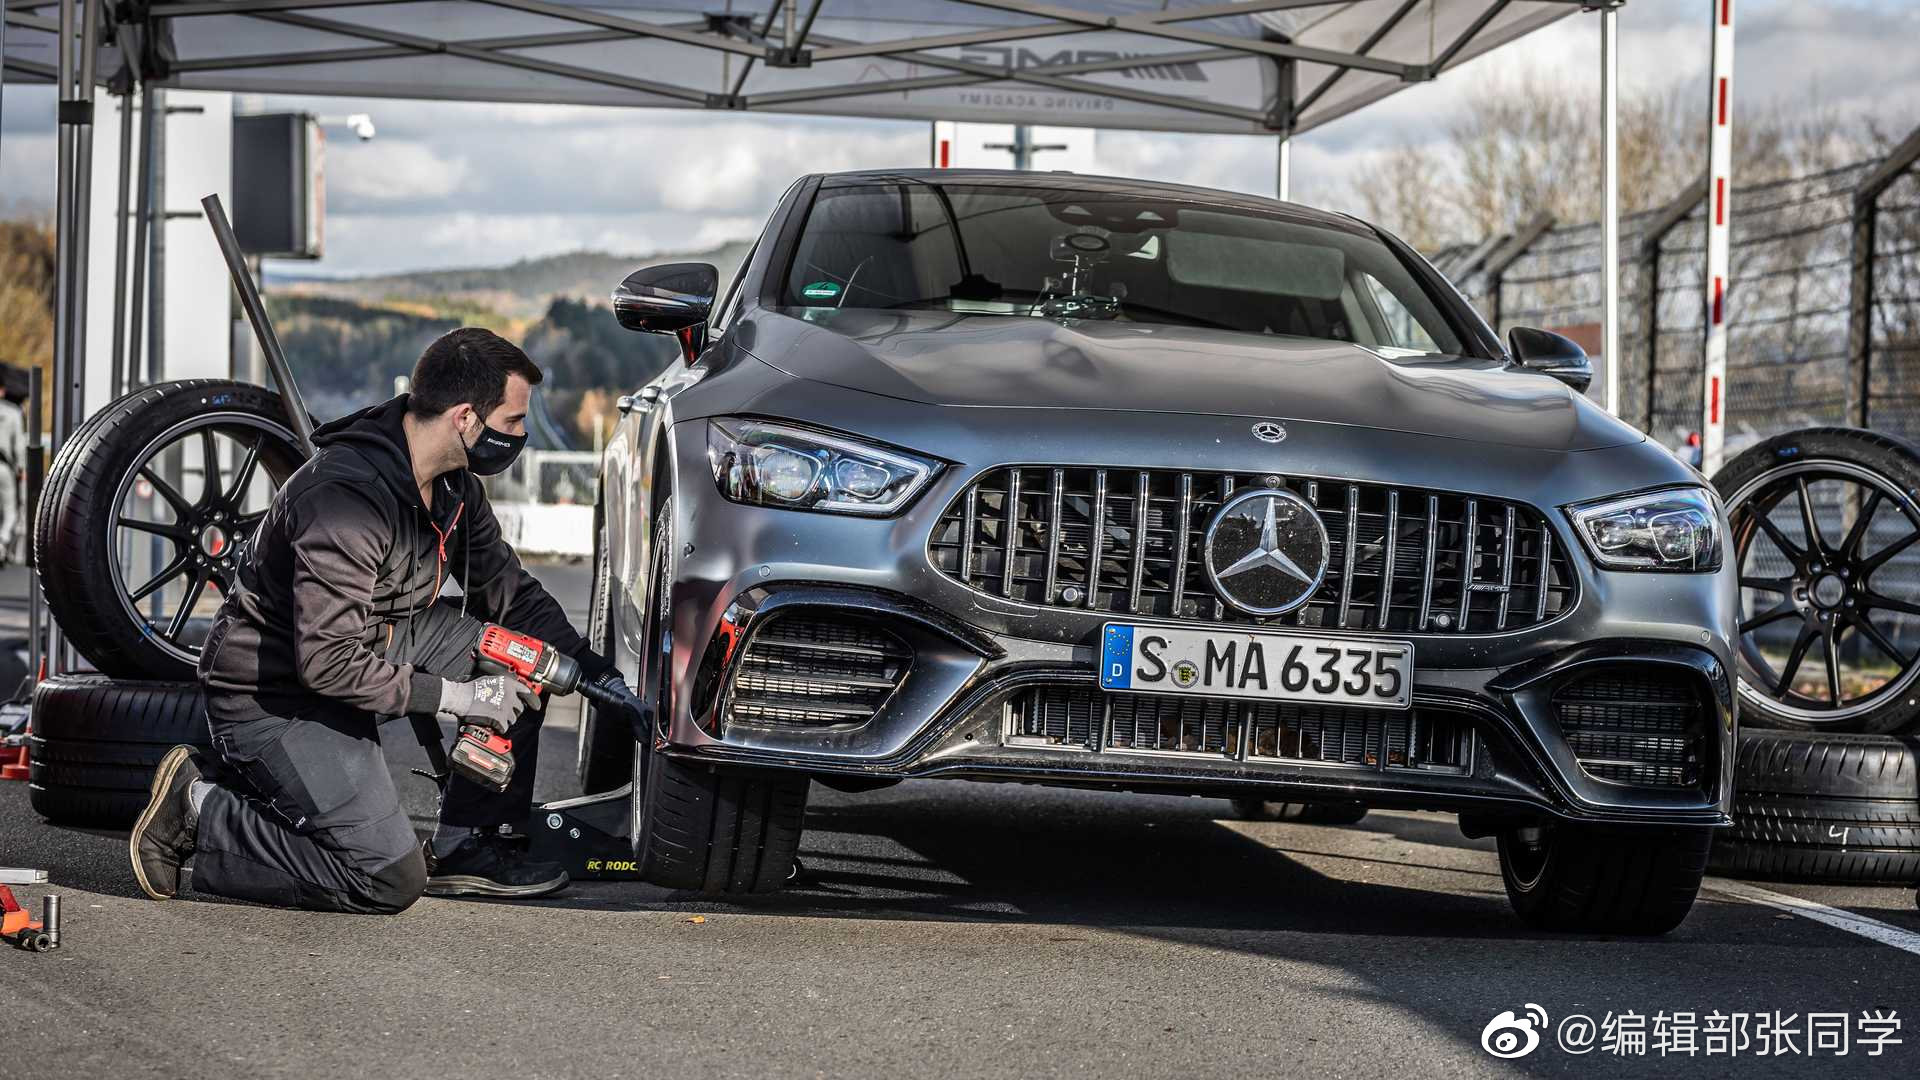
1094	482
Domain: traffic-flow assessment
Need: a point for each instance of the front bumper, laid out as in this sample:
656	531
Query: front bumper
976	662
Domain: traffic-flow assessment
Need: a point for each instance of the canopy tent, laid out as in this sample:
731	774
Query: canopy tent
1276	67
1272	66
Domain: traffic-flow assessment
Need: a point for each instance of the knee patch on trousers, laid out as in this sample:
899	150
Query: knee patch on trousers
394	888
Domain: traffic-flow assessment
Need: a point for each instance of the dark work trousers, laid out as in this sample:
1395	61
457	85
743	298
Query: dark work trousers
304	812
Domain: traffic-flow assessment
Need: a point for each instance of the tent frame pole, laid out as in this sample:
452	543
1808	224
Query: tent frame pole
1610	206
142	244
120	223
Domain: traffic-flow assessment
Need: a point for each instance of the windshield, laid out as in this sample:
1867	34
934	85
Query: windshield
1053	253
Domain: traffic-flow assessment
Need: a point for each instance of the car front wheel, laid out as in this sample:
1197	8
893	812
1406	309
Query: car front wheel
696	826
1599	881
606	742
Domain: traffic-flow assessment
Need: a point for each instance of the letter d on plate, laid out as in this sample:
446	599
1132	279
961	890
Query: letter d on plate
1116	658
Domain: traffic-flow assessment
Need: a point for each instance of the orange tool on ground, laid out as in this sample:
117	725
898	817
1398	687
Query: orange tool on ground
22	930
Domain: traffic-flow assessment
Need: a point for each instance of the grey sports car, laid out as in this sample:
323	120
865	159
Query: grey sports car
1096	482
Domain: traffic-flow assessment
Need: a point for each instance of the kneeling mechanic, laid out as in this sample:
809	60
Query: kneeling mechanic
336	619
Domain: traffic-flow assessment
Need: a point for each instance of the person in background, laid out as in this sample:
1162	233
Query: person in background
13	462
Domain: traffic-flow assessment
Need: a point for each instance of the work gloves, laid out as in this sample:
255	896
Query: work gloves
490	701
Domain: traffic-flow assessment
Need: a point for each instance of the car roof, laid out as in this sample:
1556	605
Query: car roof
1109	185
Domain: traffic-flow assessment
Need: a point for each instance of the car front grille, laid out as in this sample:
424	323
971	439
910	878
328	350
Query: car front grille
1084	718
1643	727
815	669
1130	541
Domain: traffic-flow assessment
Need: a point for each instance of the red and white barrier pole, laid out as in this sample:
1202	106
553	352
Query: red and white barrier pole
1719	217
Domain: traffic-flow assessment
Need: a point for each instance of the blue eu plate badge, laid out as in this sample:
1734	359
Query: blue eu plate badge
1116	658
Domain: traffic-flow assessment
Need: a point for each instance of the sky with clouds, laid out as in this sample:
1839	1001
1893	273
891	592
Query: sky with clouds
461	184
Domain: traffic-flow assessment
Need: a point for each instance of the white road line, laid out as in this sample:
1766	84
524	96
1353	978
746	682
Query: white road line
1851	922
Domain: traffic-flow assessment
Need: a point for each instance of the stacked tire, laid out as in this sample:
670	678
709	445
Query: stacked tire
94	739
1826	781
1818	807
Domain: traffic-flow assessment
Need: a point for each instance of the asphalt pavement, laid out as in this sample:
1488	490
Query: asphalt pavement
950	929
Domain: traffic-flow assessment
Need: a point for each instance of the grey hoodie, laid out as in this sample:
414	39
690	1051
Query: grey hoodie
347	555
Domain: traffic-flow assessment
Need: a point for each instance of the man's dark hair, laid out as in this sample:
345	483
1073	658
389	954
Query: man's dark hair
468	366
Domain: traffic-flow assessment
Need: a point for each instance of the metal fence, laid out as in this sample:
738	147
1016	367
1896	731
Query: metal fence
1823	327
1823	306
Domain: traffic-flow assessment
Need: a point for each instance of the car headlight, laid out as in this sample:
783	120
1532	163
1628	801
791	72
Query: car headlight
1676	529
769	464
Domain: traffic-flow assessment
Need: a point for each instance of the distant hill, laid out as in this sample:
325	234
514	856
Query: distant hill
520	290
348	338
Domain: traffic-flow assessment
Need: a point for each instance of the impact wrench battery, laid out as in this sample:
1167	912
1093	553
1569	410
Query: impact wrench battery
485	756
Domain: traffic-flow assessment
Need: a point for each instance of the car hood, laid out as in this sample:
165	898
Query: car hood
997	361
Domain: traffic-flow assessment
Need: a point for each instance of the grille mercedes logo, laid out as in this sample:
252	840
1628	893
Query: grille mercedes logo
1266	551
1269	431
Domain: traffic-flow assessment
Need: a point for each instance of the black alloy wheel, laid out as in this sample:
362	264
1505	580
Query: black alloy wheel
146	511
204	535
1824	532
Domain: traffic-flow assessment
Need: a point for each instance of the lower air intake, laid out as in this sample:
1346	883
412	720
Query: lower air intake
1082	718
815	669
1643	727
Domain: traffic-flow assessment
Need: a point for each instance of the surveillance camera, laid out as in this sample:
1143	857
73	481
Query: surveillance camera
361	125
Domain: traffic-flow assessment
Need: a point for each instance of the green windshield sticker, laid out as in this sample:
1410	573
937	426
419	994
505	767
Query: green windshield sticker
821	290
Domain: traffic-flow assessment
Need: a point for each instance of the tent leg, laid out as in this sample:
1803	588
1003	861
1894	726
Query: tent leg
73	176
74	389
1283	180
1610	206
63	353
157	256
142	241
120	248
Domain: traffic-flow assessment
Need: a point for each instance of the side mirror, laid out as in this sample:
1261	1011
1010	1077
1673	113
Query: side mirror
1550	354
671	299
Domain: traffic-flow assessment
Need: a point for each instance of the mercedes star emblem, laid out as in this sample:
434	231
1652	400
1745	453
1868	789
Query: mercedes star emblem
1266	551
1269	431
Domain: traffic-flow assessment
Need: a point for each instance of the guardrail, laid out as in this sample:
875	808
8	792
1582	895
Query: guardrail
545	502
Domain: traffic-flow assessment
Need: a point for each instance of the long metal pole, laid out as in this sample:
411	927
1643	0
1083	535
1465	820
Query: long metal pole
1713	417
75	387
1283	185
37	648
157	224
262	325
142	239
118	382
63	219
55	657
1610	206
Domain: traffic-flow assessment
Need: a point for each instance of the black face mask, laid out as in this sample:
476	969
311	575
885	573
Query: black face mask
492	452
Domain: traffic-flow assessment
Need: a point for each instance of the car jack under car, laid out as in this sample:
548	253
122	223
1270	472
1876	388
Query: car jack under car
591	837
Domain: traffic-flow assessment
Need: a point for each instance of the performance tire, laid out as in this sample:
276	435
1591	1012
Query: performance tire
80	521
95	742
1583	880
699	827
1824	808
606	743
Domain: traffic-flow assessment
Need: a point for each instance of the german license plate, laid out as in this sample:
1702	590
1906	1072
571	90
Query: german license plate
1275	667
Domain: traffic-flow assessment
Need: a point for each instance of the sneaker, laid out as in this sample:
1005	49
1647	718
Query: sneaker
491	866
163	837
